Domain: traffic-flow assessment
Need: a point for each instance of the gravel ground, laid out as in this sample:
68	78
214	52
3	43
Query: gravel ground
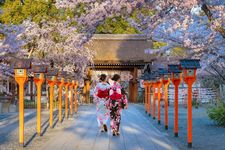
206	134
9	131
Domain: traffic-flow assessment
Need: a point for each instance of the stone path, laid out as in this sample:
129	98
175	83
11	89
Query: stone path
136	134
139	131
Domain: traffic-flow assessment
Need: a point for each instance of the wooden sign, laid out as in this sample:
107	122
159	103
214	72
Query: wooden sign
166	77
176	75
190	72
20	72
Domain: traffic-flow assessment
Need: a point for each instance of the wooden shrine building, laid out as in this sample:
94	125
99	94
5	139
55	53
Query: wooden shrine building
121	52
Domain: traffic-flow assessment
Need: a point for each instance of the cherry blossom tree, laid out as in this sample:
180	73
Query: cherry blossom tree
9	42
60	42
57	42
197	26
10	45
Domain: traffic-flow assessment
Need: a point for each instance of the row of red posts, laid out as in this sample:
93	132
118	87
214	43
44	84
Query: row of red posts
53	77
174	74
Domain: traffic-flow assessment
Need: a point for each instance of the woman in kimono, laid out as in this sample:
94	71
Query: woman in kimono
117	102
101	95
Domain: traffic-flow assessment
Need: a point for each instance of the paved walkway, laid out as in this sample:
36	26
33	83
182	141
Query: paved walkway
136	134
5	118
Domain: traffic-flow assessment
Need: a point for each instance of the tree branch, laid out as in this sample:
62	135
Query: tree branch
217	71
208	13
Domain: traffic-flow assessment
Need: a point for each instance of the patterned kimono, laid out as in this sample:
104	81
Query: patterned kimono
115	108
101	104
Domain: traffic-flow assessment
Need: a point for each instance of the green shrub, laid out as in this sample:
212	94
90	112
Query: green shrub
13	12
158	45
217	114
144	11
116	25
179	51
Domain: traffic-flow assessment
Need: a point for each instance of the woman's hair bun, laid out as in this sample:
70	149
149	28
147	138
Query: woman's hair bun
116	77
103	77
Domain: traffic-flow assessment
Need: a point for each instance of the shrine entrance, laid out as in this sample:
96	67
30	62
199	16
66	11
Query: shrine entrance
129	73
118	54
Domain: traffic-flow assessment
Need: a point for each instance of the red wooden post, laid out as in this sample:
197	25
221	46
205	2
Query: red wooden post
146	95
159	83
71	98
189	80
51	83
75	97
66	84
176	79
189	67
149	98
155	95
60	84
51	80
166	82
39	81
38	71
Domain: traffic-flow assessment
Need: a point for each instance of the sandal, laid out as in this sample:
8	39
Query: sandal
105	127
117	133
102	129
114	133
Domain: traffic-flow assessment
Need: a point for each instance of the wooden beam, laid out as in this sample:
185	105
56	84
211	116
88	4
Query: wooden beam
133	86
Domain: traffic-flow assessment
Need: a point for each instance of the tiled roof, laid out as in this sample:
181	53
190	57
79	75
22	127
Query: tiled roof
120	47
190	63
174	68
